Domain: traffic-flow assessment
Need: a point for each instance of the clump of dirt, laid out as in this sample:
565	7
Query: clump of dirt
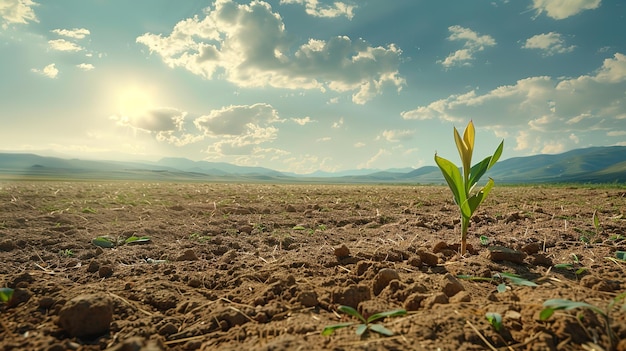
265	266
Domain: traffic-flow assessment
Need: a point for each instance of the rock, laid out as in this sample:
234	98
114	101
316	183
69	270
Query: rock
168	329
451	285
86	315
531	248
342	251
541	260
352	295
413	301
429	259
462	296
93	267
105	271
414	261
501	253
291	208
246	228
382	279
20	295
188	255
440	246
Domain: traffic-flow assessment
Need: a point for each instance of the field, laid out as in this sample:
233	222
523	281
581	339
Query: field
196	266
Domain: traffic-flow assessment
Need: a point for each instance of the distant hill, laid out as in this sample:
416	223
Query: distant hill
589	165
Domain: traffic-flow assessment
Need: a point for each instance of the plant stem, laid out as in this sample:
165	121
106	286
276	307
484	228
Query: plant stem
464	227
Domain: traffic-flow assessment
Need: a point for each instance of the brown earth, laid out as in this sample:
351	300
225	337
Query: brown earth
265	267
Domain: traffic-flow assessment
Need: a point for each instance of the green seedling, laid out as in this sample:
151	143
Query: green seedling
89	210
500	277
576	266
484	240
103	241
6	294
298	227
495	319
462	186
552	305
137	240
66	253
366	324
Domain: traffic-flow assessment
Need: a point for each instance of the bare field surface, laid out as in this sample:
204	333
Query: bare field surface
265	267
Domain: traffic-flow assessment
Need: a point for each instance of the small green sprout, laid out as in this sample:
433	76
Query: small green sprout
495	319
484	240
137	240
513	278
366	324
66	253
462	186
6	294
552	305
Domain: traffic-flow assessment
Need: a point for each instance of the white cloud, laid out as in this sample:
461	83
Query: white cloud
248	46
548	107
303	121
323	139
338	124
359	144
473	43
63	45
85	66
397	135
153	120
616	133
76	33
573	137
372	161
314	8
238	129
561	9
49	71
550	43
17	11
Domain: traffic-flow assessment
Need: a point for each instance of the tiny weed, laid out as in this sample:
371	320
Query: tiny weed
6	294
66	253
495	320
298	227
500	277
484	240
199	237
366	324
550	306
89	210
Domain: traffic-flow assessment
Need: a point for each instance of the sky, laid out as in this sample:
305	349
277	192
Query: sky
306	85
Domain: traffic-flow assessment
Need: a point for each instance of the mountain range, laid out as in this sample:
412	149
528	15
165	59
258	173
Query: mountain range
588	165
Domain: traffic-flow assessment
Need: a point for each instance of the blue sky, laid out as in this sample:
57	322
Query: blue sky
306	85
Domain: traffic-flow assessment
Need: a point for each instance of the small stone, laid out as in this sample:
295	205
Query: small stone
440	246
342	251
87	315
531	248
414	261
246	228
290	208
541	260
93	267
105	271
413	302
501	253
188	255
462	296
428	258
383	278
45	302
451	285
20	295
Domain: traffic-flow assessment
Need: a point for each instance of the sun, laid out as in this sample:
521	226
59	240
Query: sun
134	101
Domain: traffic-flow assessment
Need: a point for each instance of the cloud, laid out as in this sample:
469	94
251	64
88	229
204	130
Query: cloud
370	163
561	9
303	121
153	120
548	107
397	135
314	8
63	45
49	71
616	133
85	66
248	46
338	124
76	33
551	43
237	129
17	11
473	43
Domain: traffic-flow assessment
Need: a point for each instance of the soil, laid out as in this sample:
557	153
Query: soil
265	266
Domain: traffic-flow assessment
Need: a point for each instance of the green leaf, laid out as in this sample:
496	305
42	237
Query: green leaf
360	329
328	330
501	288
564	304
453	177
380	329
103	241
496	155
596	220
391	313
567	266
351	311
137	240
495	319
546	313
6	294
484	240
478	170
517	280
475	200
620	255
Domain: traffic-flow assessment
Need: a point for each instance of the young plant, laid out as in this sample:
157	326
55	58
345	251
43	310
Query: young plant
462	186
6	294
495	319
550	306
366	324
500	277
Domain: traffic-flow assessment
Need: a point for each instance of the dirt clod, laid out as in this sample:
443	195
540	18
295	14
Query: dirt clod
87	315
